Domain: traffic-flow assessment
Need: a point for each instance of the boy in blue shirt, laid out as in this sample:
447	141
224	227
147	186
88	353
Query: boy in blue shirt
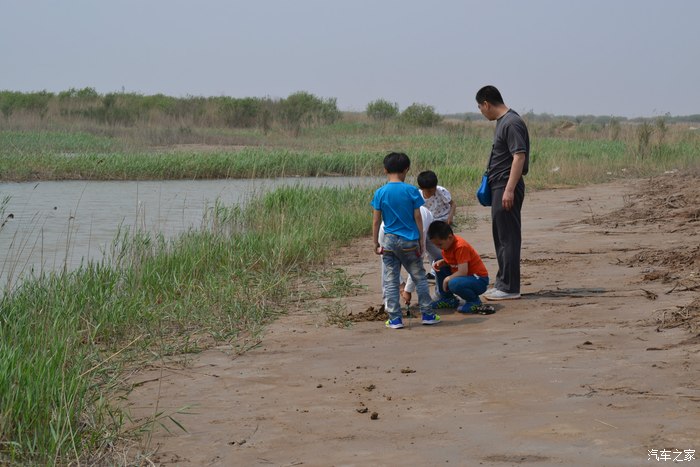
398	204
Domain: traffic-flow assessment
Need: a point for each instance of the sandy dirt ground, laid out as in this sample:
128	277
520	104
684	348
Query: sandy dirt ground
596	365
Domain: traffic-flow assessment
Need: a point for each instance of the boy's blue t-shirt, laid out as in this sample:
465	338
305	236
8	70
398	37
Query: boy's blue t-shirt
397	201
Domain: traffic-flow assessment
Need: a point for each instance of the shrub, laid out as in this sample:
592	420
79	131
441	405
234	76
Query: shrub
190	106
34	102
420	115
304	109
239	113
382	110
8	102
88	94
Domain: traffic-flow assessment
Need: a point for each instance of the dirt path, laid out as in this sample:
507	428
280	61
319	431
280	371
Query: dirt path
596	365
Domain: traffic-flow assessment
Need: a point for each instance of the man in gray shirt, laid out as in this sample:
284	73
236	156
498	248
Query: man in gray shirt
508	163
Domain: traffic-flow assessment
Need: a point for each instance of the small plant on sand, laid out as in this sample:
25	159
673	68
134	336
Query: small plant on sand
339	284
337	314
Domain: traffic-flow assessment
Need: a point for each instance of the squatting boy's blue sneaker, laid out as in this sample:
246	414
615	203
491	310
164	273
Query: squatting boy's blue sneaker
468	307
394	323
452	302
430	318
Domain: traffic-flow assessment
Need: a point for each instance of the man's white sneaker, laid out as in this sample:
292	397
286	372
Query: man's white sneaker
501	295
489	291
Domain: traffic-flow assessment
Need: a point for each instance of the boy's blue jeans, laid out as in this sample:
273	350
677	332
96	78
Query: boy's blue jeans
400	252
467	287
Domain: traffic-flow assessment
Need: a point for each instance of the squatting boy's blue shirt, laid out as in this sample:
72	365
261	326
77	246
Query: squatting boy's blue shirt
397	201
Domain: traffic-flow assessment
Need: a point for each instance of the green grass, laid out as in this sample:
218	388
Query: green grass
458	154
57	332
54	142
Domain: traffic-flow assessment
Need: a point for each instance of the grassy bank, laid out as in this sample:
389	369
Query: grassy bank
457	152
64	338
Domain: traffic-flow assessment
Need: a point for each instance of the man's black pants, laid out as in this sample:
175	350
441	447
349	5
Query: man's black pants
507	232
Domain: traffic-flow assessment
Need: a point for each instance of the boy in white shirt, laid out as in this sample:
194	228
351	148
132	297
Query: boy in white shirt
440	204
437	199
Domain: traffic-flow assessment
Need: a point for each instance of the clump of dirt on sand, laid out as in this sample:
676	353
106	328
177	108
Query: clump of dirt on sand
372	313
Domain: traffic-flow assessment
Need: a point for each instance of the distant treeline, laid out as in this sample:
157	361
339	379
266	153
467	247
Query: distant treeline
297	111
585	119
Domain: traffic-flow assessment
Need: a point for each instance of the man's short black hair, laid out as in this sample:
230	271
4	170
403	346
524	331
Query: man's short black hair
439	229
489	94
396	162
427	179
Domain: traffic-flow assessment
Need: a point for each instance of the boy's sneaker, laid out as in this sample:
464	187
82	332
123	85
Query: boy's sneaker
441	303
501	295
395	323
467	307
430	318
477	309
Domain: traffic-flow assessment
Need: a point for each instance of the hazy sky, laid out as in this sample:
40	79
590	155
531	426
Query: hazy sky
603	57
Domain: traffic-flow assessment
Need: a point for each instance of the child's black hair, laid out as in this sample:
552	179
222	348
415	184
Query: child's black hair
439	229
427	179
396	162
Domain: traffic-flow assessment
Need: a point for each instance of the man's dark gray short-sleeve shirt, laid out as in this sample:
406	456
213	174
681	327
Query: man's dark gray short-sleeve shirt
510	137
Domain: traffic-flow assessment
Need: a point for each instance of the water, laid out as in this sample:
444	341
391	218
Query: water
49	226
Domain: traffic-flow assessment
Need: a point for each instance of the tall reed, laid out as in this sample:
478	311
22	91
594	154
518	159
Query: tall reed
347	148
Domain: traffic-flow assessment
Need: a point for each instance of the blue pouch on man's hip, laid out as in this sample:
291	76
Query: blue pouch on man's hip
483	193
